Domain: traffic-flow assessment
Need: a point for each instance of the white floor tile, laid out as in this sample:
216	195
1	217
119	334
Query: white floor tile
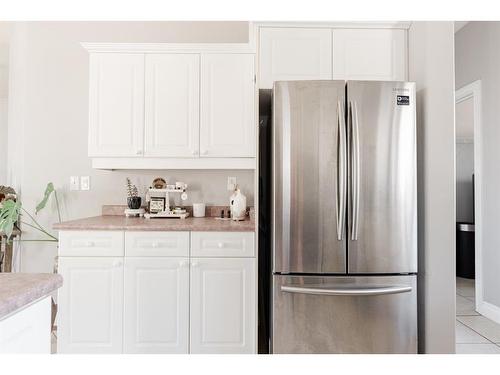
483	326
465	307
466	287
465	335
477	349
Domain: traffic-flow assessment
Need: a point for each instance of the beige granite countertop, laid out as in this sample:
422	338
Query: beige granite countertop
113	222
20	289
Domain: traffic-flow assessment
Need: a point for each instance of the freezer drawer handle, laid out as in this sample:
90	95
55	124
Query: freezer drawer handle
347	291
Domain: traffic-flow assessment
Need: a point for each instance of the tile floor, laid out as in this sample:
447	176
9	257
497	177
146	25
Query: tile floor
475	334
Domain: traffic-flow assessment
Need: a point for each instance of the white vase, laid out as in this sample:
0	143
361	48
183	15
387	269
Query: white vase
238	205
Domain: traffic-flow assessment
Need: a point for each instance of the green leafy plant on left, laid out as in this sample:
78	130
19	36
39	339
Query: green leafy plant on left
12	212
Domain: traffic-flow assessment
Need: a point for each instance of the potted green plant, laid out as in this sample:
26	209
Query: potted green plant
133	198
12	212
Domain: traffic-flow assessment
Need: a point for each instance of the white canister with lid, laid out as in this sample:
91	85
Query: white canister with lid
238	205
199	209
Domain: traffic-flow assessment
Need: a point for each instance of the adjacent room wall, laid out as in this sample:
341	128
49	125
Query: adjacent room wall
49	119
464	112
431	66
478	57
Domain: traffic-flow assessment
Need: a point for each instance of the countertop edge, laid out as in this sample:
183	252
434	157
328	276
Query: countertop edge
112	223
38	290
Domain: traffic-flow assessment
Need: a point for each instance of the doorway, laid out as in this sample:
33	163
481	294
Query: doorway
475	334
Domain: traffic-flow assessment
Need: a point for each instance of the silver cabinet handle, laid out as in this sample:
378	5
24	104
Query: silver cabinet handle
341	171
355	170
348	290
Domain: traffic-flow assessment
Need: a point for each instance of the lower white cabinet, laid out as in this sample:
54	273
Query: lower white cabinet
156	299
223	295
90	314
153	303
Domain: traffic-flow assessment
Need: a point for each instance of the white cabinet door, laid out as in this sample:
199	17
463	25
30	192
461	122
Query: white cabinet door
90	305
369	54
156	318
223	297
116	104
294	54
172	98
227	127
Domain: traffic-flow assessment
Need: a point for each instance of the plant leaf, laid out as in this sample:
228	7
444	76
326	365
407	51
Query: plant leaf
48	190
9	214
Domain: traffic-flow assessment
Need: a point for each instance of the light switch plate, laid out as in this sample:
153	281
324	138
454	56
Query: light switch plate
74	183
85	182
231	183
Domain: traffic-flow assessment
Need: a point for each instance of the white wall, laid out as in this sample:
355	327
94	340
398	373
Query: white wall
49	117
4	89
431	62
464	134
478	57
464	186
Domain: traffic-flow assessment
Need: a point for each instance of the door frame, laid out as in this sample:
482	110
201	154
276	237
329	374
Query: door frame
473	91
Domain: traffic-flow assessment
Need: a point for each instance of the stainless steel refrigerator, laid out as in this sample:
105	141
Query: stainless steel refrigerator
344	211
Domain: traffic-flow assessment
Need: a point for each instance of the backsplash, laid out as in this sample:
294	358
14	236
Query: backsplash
204	186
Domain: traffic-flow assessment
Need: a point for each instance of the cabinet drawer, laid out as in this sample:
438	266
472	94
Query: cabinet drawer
157	243
222	244
91	243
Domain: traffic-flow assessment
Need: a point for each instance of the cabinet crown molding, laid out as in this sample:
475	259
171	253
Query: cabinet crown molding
338	24
169	47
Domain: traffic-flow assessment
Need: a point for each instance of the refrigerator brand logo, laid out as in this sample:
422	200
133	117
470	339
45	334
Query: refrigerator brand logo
403	100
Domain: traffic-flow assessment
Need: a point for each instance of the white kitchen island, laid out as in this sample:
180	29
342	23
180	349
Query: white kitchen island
25	312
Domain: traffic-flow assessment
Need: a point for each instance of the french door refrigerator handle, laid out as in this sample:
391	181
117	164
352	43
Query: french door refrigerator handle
341	168
355	175
349	291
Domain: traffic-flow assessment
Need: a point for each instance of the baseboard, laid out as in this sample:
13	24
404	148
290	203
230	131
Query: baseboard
489	311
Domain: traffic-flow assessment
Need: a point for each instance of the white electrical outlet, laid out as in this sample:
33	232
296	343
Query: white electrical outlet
85	182
74	183
231	183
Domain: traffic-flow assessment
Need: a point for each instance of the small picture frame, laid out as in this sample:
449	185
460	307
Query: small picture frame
156	205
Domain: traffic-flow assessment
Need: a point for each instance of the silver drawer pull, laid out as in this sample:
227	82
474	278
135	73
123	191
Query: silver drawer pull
347	290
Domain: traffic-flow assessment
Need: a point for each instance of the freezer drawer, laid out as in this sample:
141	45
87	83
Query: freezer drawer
370	314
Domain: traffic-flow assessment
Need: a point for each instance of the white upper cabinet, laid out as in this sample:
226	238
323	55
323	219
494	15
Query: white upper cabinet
116	104
156	314
172	98
369	54
294	54
227	127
